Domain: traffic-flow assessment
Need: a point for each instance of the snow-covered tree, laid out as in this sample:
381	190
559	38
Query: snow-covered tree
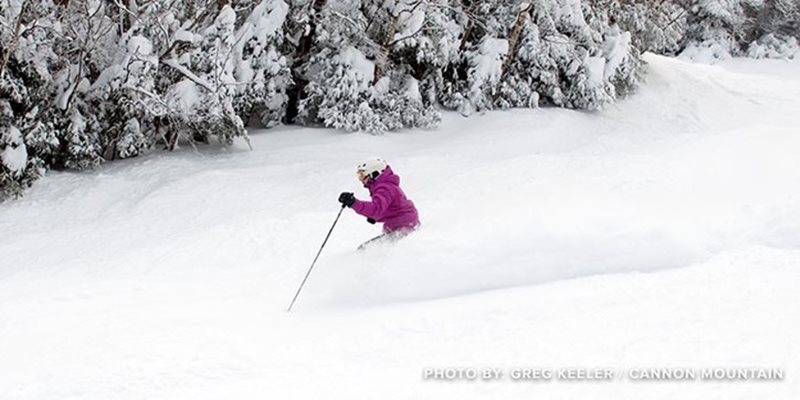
759	28
262	72
27	142
201	101
124	98
715	28
352	82
87	81
774	29
655	25
556	52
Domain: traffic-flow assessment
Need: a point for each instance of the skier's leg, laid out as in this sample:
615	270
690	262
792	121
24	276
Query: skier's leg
398	234
372	241
392	236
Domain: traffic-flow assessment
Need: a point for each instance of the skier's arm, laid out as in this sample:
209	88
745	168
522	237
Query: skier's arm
376	208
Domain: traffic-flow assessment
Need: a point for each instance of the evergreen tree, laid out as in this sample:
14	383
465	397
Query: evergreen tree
262	71
201	101
352	82
27	142
86	81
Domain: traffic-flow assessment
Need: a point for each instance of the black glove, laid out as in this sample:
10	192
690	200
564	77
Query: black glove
371	221
347	199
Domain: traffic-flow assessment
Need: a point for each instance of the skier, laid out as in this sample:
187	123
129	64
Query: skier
389	203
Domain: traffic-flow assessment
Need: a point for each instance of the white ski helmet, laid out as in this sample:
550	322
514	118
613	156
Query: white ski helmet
372	167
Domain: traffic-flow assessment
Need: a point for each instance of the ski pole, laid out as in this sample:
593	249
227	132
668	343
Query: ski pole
315	259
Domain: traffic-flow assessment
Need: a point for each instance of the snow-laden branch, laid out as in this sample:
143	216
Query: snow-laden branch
188	74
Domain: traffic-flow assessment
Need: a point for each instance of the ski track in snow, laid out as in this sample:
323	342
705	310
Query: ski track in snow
167	276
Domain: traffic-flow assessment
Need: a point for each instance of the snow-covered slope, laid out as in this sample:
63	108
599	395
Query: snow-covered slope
166	277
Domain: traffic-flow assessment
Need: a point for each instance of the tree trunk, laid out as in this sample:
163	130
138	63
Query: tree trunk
304	45
516	33
470	11
383	57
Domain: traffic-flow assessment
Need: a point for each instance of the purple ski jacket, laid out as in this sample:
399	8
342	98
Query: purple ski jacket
389	204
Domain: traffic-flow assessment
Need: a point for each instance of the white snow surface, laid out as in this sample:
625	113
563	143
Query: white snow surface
661	232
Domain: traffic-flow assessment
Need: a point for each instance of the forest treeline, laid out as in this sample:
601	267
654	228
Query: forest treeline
88	81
